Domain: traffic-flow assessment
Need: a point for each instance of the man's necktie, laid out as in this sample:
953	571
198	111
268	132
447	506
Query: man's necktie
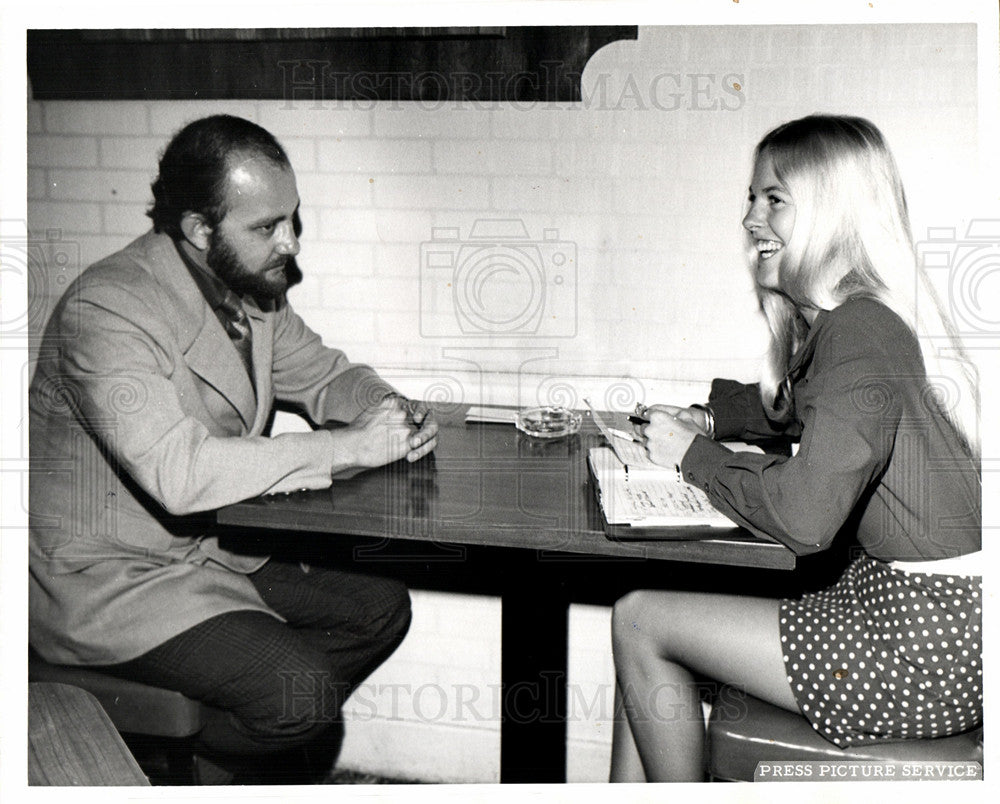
238	328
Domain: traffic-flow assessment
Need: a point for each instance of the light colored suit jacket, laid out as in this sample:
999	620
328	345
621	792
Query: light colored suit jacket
143	421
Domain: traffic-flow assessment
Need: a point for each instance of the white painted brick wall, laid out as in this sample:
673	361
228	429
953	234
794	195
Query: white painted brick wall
372	157
60	151
431	712
70	218
427	121
129	152
651	198
337	192
431	192
349	225
489	158
590	694
166	118
106	186
37	179
119	219
302	120
119	117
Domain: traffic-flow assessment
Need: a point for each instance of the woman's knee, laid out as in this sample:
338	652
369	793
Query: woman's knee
627	618
643	619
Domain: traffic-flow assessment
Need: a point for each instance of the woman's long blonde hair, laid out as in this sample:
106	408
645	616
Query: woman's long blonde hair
851	239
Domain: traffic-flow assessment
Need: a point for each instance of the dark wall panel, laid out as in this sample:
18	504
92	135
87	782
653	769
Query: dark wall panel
445	64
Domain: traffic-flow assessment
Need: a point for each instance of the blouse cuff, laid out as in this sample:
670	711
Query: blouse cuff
733	404
702	461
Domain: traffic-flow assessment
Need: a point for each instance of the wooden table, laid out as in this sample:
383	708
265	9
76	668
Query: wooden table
488	484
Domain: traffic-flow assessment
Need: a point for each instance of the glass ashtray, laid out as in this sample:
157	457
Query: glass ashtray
548	422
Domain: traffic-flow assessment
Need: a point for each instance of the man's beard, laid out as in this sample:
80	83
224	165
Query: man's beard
227	265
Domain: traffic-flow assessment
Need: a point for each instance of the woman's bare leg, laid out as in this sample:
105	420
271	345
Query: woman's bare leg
626	764
660	639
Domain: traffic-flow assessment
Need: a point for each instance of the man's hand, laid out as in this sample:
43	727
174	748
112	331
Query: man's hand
421	420
393	429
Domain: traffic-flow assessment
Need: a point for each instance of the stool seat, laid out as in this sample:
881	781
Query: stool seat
132	707
71	741
744	730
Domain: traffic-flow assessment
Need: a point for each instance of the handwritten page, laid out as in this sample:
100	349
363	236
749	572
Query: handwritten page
649	498
636	491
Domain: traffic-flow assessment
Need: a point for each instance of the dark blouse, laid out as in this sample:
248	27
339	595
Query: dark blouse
873	449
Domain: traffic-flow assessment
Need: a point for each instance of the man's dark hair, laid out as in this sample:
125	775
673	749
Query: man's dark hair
195	165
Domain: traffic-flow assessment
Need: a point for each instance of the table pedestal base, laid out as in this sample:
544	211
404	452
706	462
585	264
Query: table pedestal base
534	651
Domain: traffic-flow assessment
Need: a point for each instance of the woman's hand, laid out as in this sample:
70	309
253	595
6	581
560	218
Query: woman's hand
696	417
670	432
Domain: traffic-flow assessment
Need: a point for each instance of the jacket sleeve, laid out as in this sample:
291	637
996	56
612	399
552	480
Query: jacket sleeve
849	408
740	416
116	379
317	378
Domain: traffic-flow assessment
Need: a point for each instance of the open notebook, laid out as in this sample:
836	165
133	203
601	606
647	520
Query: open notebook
636	493
654	497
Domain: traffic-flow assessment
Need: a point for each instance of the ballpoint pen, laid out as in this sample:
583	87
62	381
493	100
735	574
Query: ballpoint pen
608	430
622	434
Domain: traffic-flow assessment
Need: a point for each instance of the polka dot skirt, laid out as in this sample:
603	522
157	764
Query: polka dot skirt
886	655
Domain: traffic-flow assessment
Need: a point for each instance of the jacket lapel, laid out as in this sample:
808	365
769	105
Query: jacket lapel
213	357
262	327
207	349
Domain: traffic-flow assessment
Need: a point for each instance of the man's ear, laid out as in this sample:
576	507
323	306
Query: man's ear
196	230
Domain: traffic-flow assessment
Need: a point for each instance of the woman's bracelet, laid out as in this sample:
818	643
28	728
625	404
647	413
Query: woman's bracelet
709	418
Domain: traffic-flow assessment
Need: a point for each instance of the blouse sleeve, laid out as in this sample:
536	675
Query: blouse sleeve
849	406
739	413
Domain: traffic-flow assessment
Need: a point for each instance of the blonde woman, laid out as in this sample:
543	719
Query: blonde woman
874	391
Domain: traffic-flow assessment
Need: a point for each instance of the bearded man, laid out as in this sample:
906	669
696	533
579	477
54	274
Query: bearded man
155	380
